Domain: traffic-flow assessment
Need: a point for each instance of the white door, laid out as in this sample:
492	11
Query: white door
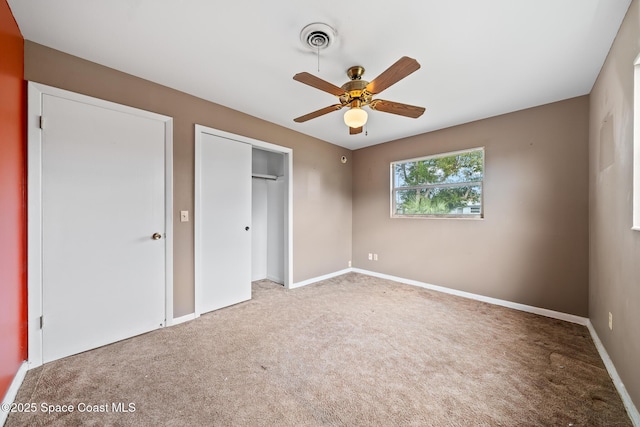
103	198
223	221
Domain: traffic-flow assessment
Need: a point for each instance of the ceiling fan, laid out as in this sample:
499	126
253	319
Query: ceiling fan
358	93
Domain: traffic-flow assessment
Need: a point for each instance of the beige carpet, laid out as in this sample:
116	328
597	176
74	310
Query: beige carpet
350	351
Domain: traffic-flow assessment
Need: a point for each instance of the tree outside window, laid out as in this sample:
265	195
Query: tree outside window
445	185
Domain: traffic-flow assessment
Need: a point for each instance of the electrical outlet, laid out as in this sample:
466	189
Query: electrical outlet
375	257
370	256
184	216
349	264
610	321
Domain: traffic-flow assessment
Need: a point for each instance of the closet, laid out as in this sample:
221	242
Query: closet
268	192
242	217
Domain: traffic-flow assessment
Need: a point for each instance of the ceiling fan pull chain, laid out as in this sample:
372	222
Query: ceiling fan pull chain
318	58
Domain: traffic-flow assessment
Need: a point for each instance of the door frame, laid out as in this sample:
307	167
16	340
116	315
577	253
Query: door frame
288	226
34	205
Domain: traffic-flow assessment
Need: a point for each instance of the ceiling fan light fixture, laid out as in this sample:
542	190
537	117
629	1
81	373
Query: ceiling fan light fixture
355	117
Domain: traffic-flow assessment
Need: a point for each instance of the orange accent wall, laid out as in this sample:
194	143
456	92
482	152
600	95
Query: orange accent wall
13	206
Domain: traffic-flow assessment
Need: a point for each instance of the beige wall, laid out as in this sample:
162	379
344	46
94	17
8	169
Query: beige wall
614	273
530	248
322	184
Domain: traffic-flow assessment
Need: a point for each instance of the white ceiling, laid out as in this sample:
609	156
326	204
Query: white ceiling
479	58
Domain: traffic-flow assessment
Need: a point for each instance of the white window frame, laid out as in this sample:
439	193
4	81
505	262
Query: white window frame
636	145
393	188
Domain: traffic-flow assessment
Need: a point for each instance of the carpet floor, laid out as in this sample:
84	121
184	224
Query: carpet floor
349	351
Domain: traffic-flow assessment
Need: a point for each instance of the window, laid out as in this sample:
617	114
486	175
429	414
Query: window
446	185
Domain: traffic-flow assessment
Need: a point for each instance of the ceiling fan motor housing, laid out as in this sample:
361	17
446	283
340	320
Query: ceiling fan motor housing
355	90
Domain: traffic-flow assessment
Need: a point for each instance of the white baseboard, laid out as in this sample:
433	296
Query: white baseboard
183	319
632	411
517	306
320	278
10	396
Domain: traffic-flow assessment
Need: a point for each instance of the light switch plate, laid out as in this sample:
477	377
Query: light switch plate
184	216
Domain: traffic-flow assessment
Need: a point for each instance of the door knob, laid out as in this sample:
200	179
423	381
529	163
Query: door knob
246	228
156	236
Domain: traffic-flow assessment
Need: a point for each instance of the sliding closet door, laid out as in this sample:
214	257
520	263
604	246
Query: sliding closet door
223	233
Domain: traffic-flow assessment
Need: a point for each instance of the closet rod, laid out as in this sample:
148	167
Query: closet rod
262	176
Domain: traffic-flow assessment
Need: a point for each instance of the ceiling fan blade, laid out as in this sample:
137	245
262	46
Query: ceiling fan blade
398	71
397	108
355	131
318	83
318	113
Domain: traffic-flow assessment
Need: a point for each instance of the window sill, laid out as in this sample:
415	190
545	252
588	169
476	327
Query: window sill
471	217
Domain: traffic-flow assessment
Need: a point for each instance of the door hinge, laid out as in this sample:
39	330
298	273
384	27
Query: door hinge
41	321
41	124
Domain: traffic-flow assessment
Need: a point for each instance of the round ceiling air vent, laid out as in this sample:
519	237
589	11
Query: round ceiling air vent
317	36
